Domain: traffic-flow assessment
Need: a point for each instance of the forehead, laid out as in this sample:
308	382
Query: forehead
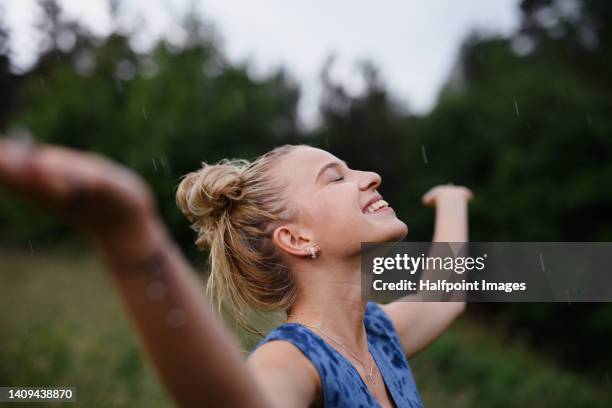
302	165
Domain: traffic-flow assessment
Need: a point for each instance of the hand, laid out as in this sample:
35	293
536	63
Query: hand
445	192
84	189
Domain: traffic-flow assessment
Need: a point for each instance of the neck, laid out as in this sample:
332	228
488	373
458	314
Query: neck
329	298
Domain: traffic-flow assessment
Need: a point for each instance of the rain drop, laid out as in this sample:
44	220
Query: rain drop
424	154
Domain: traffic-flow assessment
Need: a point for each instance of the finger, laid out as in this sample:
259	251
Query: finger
425	198
428	198
13	159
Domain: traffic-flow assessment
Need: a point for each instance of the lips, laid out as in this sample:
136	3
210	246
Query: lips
371	201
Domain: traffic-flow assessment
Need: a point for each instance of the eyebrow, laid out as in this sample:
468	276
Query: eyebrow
330	165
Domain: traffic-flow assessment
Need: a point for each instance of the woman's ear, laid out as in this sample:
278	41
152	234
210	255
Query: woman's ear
290	241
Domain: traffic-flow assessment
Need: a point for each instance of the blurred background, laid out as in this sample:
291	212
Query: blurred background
510	98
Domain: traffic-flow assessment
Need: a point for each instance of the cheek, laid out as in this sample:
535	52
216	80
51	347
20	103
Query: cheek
329	211
340	206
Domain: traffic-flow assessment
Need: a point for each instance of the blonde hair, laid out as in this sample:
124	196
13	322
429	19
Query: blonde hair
234	206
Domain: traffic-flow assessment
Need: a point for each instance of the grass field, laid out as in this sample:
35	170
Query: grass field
62	324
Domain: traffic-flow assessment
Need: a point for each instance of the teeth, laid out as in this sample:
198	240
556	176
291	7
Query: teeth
376	205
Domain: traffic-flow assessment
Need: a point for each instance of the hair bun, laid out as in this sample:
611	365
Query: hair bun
205	195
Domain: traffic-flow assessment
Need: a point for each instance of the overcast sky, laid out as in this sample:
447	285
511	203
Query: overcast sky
414	43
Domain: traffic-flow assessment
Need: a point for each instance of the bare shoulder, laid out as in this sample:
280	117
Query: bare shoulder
280	354
286	376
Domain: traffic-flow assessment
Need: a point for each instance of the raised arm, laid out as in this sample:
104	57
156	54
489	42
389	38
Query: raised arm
419	323
195	356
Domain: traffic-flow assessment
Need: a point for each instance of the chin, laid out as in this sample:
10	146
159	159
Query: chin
402	231
391	233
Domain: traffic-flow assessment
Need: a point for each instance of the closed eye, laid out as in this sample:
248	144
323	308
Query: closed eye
338	179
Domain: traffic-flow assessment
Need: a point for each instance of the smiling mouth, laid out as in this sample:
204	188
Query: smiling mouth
376	206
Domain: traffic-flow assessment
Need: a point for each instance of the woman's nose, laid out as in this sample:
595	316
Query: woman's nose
369	180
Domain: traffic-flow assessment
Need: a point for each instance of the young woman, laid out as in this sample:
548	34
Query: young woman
284	233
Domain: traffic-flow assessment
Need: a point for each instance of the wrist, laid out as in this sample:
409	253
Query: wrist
453	204
454	196
131	242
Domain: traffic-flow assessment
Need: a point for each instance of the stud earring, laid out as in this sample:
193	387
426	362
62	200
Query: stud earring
314	250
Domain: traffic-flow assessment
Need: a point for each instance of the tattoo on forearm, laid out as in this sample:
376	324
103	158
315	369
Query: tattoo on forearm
155	269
